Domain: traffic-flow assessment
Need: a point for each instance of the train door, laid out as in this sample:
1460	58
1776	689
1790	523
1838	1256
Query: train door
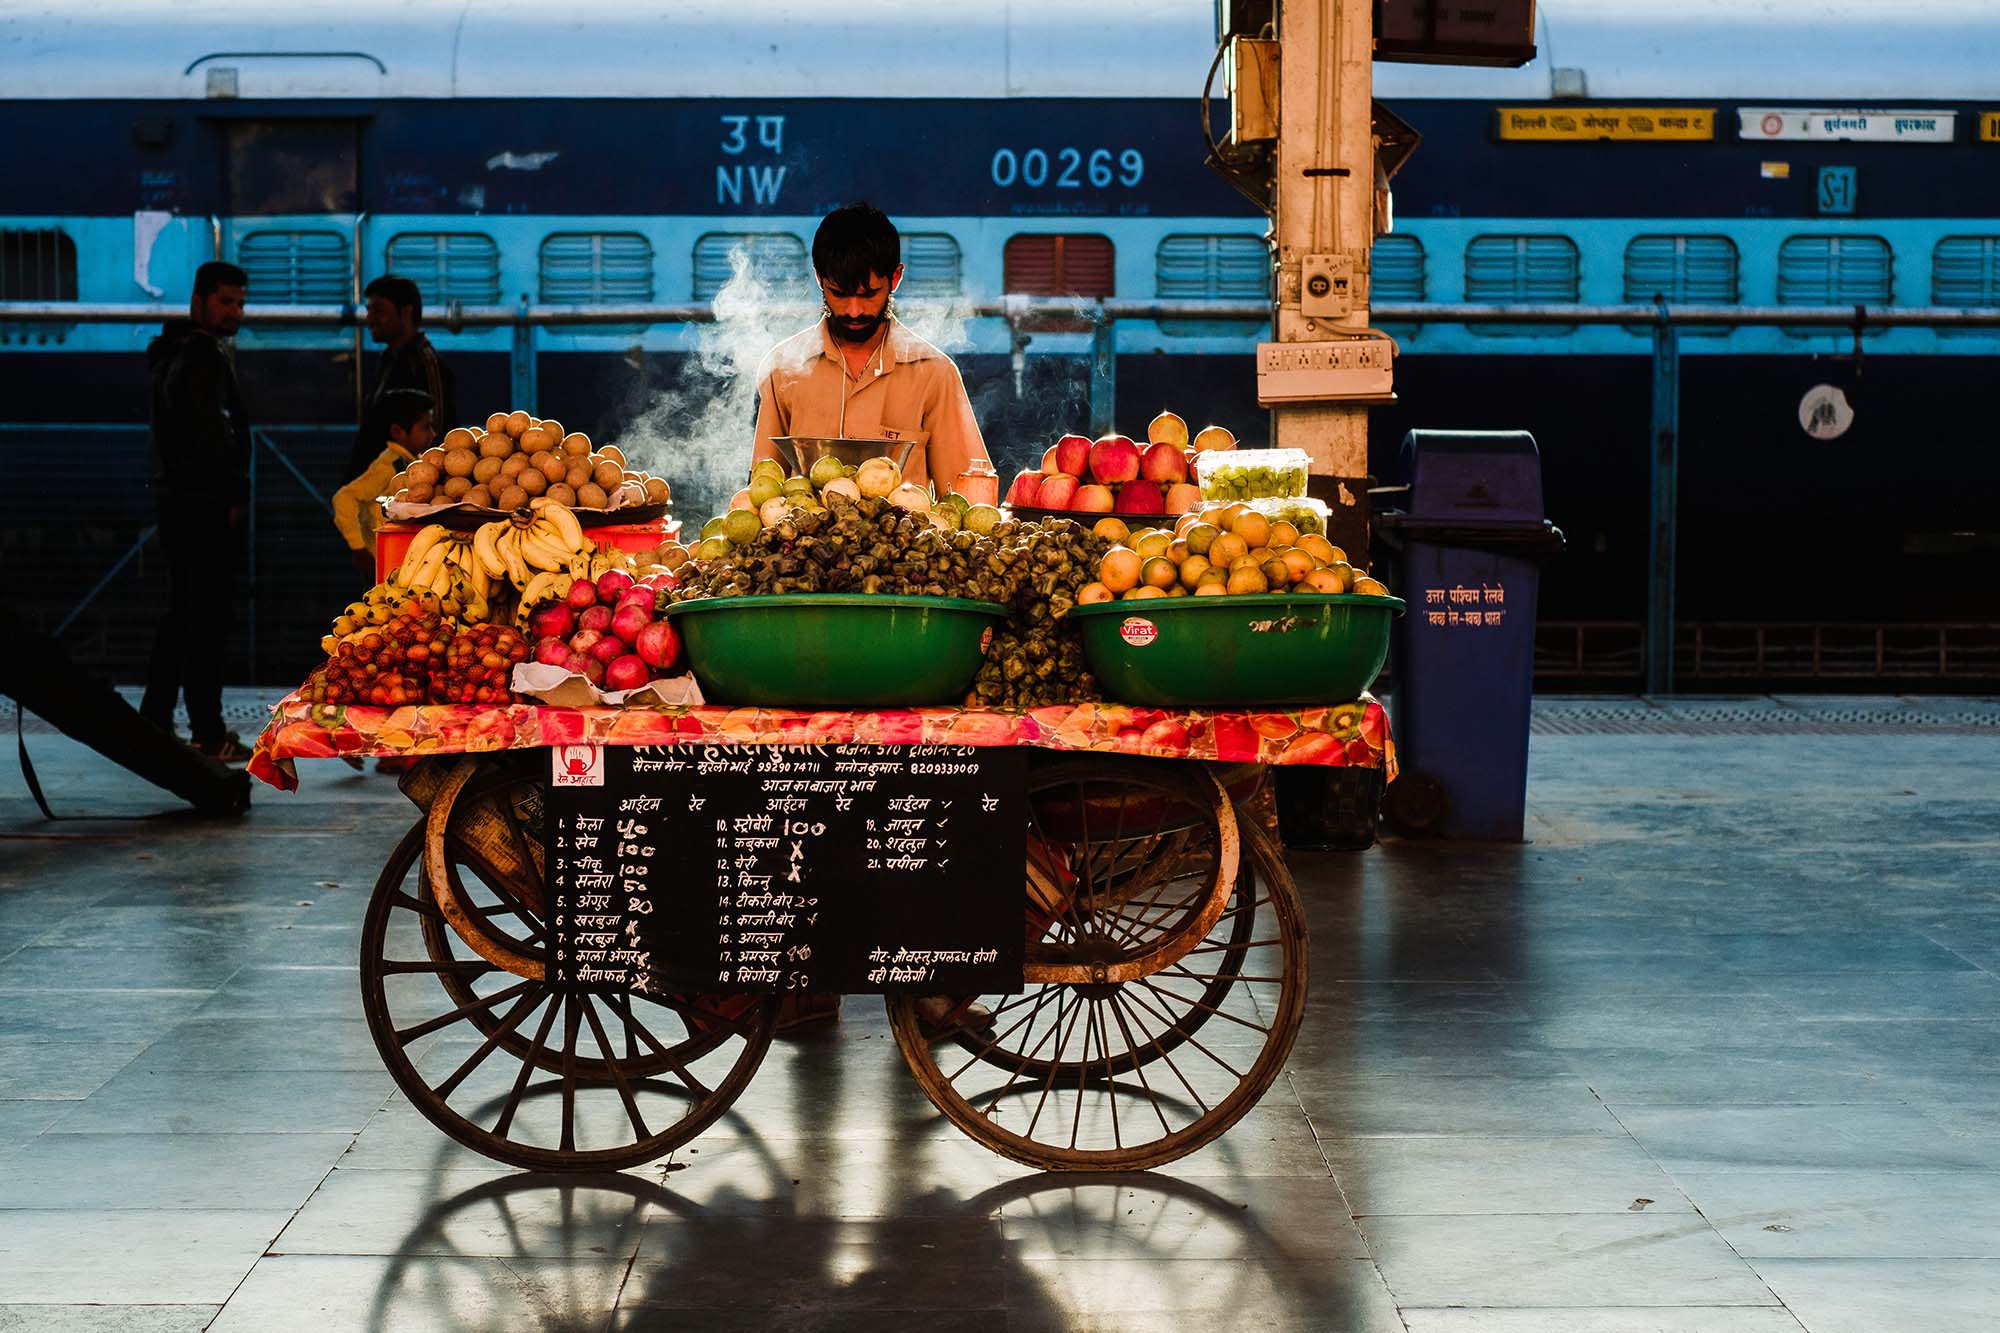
293	223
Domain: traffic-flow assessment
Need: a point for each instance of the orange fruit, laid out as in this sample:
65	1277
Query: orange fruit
1253	528
1276	575
1199	536
1142	592
1092	592
1297	563
1225	549
1318	547
1214	516
1248	580
1112	529
1152	543
1119	569
1212	590
1159	572
1368	587
1177	551
1323	580
1284	534
1192	569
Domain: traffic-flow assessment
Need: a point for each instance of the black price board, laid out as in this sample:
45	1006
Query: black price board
718	869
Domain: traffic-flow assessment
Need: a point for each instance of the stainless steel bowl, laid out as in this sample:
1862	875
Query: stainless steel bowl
800	452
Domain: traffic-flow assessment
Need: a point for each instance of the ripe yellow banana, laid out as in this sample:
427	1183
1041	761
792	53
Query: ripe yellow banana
421	546
509	546
421	578
569	531
485	552
542	553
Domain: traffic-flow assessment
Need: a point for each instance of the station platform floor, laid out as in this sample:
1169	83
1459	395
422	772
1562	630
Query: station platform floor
1716	1051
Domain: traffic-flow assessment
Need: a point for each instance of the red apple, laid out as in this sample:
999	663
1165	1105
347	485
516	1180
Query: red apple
659	645
595	617
611	583
1182	497
1026	488
1049	467
1140	497
1114	459
1092	499
552	618
552	651
629	620
584	640
1072	455
582	594
626	673
1164	463
1057	492
609	649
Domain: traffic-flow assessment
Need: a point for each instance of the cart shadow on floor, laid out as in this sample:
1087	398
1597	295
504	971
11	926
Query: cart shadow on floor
1028	1252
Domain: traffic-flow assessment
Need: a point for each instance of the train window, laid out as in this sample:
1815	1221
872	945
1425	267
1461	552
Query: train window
1965	270
1213	268
596	268
297	267
1834	270
775	259
1521	270
932	266
1044	265
447	266
1690	270
1396	274
36	264
1038	265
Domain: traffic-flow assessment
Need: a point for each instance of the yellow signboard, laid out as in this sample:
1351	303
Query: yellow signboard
1642	123
1989	126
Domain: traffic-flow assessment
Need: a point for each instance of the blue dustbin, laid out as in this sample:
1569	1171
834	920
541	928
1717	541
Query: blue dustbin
1469	549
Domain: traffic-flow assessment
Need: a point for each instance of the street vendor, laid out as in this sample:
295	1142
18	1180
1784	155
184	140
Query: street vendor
859	373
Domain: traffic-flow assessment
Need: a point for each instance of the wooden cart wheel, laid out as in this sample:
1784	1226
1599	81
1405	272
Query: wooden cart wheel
583	1082
494	877
1136	1071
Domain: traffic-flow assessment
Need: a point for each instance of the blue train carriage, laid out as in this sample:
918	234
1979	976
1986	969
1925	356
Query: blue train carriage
597	156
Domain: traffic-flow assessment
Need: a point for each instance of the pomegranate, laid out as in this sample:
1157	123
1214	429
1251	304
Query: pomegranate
552	618
611	583
584	640
637	595
659	645
595	617
627	621
582	594
609	649
552	651
627	673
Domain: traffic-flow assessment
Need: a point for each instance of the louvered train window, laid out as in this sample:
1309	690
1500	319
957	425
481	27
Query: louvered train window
1521	270
36	265
1082	265
933	269
1834	270
775	260
597	268
447	266
1212	268
1395	276
1682	270
297	267
1965	271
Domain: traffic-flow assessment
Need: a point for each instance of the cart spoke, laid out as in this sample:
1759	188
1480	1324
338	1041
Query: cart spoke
480	1005
617	1074
1208	1009
486	1048
467	968
1041	998
1188	1038
1055	1066
520	1087
1139	1066
569	1073
1167	1058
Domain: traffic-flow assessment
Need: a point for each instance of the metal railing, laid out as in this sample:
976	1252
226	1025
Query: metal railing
1754	651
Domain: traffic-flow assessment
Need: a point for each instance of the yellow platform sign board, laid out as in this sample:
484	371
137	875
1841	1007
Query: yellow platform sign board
1591	123
1989	126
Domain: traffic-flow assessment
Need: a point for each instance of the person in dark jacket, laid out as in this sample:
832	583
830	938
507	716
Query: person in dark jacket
395	319
201	485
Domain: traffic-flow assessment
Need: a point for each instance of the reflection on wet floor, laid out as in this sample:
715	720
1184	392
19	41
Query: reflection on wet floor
1716	1051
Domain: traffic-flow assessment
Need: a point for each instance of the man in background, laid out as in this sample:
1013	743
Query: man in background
201	485
395	320
355	513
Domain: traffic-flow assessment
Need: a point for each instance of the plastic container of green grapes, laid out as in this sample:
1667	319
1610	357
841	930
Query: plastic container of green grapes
1252	474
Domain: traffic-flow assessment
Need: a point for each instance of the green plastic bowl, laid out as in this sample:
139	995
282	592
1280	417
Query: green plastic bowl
1257	648
834	650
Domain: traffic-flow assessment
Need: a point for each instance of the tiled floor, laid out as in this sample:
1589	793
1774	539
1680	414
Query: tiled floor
1716	1052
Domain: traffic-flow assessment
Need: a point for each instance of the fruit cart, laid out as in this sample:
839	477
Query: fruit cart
1165	947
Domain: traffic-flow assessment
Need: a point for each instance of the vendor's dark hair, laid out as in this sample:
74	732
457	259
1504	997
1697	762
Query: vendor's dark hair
853	242
399	292
217	274
405	407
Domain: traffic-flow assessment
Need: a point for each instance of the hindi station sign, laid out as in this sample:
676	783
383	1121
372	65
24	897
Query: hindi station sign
1854	124
1593	123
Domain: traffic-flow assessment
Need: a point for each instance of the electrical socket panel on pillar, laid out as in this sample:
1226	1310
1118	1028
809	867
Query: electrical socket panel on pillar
1327	286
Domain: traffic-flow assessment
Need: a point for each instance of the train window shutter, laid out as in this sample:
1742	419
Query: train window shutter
297	267
1682	270
447	266
596	268
1965	271
1396	274
776	260
1835	270
1081	265
933	269
36	264
1522	270
1212	268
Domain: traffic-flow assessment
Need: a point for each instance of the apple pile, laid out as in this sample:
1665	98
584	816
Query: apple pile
608	631
1116	474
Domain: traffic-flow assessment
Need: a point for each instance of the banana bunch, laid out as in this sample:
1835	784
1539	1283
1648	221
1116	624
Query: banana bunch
541	539
545	585
381	604
445	565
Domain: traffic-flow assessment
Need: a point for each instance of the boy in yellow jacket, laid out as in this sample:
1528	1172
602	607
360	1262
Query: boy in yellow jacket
355	512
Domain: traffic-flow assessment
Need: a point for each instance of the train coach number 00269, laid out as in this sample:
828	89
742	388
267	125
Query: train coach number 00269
1068	168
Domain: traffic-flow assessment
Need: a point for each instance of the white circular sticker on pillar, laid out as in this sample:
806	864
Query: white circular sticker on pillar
1138	631
1825	413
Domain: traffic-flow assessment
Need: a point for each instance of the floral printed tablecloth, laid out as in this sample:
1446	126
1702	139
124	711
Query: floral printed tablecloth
1354	734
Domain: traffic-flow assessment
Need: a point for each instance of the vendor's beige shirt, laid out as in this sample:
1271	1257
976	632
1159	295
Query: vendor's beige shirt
908	391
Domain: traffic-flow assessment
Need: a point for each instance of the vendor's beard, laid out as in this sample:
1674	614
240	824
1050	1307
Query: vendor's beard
858	330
